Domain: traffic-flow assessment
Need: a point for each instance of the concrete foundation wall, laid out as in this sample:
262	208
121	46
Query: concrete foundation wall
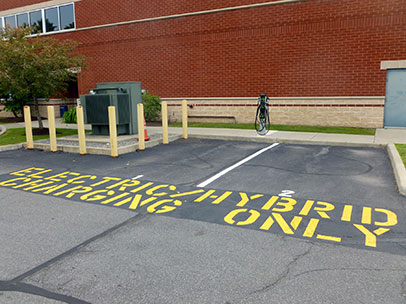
4	113
56	103
365	112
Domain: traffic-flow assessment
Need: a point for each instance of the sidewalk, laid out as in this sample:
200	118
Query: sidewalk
382	137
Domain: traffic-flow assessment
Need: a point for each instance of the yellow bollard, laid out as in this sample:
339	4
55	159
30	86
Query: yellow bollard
28	128
113	131
51	127
81	130
140	117
184	118
164	111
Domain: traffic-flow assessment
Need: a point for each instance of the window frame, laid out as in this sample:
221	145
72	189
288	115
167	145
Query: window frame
25	13
15	19
42	10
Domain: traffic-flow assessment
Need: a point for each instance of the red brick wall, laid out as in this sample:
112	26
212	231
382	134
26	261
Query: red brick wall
309	48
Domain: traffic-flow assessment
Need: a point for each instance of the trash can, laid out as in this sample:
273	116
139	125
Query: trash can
63	109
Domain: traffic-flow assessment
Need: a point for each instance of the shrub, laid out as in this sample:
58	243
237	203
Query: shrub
69	116
152	107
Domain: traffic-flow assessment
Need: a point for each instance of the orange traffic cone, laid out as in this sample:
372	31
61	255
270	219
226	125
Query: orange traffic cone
146	137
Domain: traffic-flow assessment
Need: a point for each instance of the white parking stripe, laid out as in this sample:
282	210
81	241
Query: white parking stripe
213	178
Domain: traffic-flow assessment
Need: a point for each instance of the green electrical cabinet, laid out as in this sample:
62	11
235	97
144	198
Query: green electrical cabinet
123	95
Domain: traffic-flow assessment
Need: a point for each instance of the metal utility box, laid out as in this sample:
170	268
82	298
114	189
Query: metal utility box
123	95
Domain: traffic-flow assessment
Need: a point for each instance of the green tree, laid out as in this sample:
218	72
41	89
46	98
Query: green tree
35	67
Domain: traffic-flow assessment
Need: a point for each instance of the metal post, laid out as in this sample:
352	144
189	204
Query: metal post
140	117
164	111
51	127
113	131
81	130
28	128
184	118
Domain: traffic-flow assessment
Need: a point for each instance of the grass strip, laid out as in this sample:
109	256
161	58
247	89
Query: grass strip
402	152
294	128
17	135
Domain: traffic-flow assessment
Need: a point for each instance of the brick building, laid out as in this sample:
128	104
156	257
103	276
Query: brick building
323	62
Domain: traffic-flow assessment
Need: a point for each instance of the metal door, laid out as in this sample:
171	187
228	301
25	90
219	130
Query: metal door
395	101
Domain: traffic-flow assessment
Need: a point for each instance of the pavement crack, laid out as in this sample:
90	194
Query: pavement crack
346	269
38	291
77	248
403	287
285	274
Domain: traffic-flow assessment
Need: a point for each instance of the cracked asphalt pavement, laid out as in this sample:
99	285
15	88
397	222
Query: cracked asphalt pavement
62	249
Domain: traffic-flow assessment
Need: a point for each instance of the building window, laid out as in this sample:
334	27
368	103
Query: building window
45	20
22	19
67	18
10	21
51	20
36	22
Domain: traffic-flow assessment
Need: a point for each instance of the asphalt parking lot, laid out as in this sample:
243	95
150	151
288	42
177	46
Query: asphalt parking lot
202	221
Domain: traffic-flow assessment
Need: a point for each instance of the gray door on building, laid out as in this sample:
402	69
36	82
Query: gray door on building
395	101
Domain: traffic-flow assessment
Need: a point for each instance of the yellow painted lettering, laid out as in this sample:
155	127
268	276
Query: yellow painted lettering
329	238
124	184
106	179
284	225
245	199
11	182
77	180
83	189
141	187
321	208
61	176
366	215
94	196
370	237
286	206
221	198
153	189
50	189
306	208
37	174
204	196
37	185
347	213
391	218
270	203
311	228
267	224
254	215
68	190
29	183
114	198
25	171
164	208
187	193
135	202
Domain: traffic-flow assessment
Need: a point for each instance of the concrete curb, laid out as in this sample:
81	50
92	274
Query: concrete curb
288	141
11	147
2	130
102	151
398	168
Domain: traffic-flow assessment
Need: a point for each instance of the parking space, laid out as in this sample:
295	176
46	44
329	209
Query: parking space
164	225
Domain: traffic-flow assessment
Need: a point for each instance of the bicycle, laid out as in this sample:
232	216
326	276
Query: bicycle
262	121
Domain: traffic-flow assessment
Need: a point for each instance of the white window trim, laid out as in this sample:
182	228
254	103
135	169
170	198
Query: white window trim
42	10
